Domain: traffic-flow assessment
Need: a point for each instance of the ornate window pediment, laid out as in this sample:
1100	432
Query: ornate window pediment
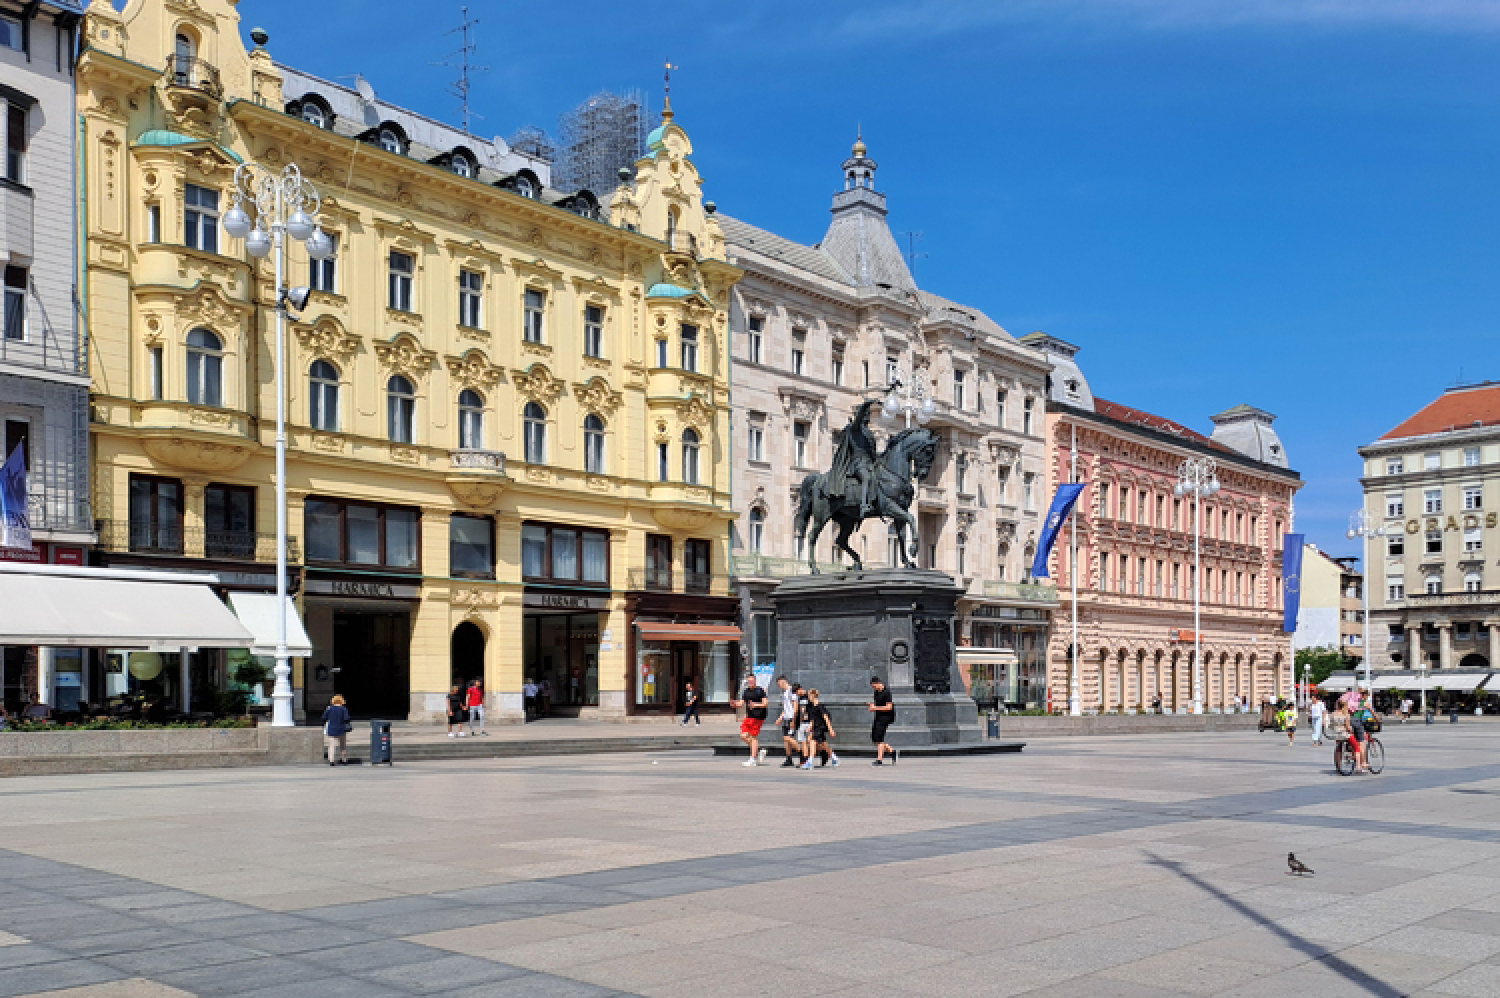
537	384
474	370
327	339
597	396
404	355
695	412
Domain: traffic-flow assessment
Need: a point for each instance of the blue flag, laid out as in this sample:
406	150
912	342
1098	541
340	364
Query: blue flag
15	515
1291	580
1062	504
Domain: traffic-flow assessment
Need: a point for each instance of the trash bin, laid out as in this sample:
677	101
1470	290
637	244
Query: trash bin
380	742
1452	715
1432	717
993	725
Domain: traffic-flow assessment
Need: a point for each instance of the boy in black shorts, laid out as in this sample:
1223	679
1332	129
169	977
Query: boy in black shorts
822	731
884	710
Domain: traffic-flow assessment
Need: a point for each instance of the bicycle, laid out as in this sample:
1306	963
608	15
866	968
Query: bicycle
1344	760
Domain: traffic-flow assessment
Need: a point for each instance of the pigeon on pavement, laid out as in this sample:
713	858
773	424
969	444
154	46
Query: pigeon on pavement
1297	867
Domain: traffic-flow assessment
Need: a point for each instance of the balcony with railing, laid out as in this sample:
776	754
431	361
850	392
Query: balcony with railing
479	460
139	537
191	73
1026	592
1465	598
665	581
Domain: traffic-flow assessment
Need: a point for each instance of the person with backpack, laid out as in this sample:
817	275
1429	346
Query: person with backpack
336	728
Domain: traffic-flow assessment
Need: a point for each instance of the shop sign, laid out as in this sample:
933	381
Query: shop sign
32	554
565	601
67	556
365	590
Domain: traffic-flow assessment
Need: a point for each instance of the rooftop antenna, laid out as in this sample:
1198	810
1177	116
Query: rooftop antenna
460	59
912	256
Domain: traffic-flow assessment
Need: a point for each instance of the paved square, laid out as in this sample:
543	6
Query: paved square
1113	866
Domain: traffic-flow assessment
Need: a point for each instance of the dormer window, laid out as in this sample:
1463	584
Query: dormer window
391	142
525	187
460	165
313	115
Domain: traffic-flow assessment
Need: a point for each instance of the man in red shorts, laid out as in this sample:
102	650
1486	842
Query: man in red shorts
753	699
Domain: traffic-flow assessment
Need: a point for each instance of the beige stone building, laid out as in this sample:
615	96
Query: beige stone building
1433	482
1329	613
815	330
1135	552
507	405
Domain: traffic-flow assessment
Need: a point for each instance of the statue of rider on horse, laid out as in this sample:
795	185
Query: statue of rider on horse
866	483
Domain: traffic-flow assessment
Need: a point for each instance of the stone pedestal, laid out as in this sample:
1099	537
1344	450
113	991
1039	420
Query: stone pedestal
835	631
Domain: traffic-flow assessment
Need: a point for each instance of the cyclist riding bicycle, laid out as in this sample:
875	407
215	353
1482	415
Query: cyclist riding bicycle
1357	706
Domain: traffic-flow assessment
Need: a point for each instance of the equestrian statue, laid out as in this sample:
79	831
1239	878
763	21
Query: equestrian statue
864	484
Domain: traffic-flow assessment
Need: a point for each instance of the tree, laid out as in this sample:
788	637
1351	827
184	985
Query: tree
1321	663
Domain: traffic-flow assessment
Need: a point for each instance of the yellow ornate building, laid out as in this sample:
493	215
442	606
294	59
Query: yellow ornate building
508	408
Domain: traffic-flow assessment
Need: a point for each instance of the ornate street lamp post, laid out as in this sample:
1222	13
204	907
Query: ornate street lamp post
1364	527
911	401
1198	477
283	204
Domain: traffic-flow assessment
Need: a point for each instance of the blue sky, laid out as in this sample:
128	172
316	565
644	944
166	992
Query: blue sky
1290	203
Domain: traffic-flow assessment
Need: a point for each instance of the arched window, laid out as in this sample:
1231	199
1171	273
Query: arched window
313	114
536	433
671	228
185	51
401	410
525	187
461	165
757	530
205	368
391	142
690	456
470	420
593	445
323	397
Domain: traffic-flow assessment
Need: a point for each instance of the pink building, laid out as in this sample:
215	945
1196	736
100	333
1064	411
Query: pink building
1135	552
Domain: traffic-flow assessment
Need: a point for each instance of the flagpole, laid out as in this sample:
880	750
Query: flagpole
1075	708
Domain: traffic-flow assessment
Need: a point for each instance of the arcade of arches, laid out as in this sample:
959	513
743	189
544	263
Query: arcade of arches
1126	678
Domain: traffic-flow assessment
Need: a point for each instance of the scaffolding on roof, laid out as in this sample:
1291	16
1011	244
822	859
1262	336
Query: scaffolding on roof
533	141
605	133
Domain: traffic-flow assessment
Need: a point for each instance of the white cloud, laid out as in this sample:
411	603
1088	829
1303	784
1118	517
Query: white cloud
944	17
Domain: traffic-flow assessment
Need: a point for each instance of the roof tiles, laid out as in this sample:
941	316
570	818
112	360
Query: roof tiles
1455	409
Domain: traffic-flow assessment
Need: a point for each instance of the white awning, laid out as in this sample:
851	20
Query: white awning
257	611
1391	681
1336	684
64	606
985	656
1460	683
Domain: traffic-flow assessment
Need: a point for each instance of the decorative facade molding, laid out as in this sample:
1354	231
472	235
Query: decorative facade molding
474	370
405	356
597	396
537	384
327	339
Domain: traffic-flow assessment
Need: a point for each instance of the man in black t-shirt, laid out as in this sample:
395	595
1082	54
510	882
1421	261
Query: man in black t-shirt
753	699
884	710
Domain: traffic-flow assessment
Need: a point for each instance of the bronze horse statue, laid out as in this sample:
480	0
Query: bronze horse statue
907	457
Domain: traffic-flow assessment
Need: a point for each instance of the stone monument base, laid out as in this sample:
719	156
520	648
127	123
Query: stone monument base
836	631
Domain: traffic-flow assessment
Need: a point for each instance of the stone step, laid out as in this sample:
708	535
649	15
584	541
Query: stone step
509	748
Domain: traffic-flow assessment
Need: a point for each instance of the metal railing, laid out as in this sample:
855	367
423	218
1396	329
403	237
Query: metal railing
195	74
137	537
487	460
1035	592
52	512
764	566
1445	599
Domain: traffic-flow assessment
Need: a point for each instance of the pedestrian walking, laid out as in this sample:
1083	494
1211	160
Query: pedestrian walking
690	705
456	712
544	697
528	698
1316	715
787	720
802	728
884	709
822	731
753	699
1156	703
336	728
1405	709
475	703
1289	721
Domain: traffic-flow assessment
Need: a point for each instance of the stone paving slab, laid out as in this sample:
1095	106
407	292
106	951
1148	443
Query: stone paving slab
1134	866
